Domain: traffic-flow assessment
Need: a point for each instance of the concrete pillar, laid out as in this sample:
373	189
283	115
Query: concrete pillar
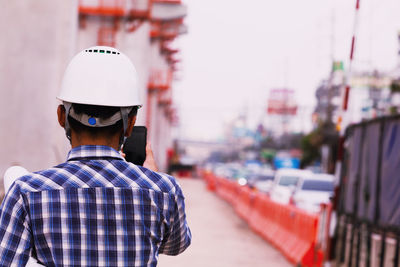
136	45
38	40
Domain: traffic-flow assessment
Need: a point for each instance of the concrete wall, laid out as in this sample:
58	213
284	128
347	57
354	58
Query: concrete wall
38	38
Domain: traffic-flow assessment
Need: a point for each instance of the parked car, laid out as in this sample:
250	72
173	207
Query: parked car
314	190
262	181
285	183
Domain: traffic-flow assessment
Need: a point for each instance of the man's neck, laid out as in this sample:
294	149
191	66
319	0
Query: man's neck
85	139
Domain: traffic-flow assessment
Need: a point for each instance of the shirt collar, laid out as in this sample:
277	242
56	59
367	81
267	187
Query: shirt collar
93	151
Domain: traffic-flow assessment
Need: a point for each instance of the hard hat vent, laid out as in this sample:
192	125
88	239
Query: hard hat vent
102	51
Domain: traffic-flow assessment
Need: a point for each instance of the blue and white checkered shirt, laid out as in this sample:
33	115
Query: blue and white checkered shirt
96	209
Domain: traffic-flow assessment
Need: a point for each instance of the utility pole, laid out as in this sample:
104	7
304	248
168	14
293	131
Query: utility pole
329	113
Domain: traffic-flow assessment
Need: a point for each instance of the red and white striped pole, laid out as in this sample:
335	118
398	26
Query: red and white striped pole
346	93
343	118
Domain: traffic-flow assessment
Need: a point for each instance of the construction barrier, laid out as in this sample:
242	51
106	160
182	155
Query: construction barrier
227	189
210	180
244	202
296	233
367	201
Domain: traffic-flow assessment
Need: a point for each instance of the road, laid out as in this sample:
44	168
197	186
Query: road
220	237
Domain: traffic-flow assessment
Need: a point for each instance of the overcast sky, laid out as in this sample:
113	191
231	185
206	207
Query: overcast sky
236	51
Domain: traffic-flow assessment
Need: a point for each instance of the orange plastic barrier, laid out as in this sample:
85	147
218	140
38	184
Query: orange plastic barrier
291	230
244	203
209	178
227	189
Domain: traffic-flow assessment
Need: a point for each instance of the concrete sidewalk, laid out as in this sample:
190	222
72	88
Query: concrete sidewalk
220	237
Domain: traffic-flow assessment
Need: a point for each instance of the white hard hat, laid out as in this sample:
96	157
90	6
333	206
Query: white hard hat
101	76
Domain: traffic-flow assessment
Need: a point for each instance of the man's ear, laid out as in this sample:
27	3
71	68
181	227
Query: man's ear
61	115
131	123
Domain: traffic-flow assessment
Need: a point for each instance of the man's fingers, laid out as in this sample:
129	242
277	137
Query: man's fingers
150	163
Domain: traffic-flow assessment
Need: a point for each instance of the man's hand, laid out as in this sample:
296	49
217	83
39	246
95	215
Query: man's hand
150	163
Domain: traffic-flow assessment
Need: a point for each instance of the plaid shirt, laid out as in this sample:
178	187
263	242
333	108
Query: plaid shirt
96	209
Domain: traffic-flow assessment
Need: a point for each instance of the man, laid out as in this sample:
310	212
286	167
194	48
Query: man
95	209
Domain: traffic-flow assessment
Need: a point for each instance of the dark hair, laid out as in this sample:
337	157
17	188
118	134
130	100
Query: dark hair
101	112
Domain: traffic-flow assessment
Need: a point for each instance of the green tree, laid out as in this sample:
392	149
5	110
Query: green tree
311	143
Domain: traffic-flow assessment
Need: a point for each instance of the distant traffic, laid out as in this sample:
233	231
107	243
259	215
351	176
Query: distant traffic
303	188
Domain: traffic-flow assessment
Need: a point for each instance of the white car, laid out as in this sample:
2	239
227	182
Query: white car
285	183
313	191
262	181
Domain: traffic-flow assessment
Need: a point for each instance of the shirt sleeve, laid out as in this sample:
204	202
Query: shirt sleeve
15	241
178	236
